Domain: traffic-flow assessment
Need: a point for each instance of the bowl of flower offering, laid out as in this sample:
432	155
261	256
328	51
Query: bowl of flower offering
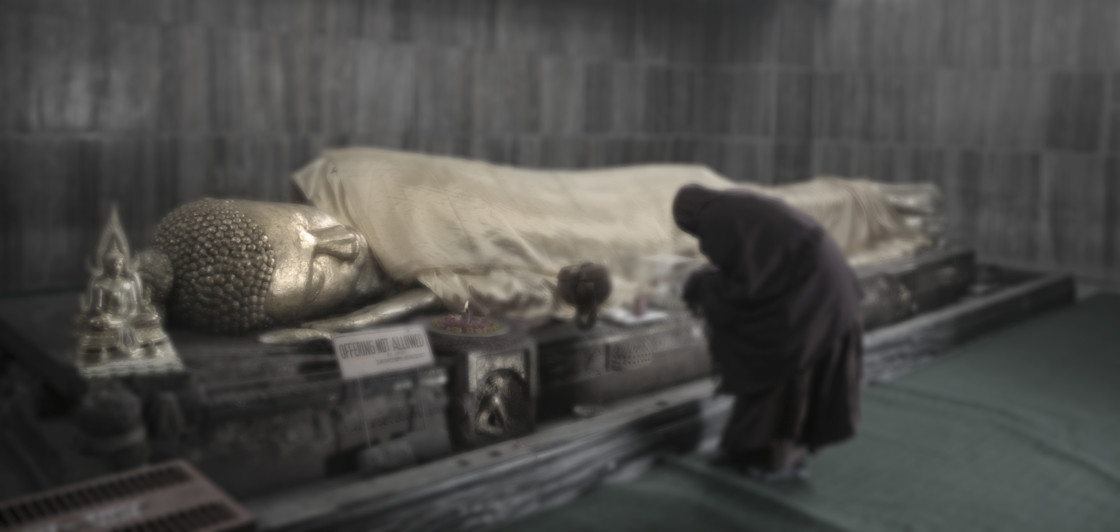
468	325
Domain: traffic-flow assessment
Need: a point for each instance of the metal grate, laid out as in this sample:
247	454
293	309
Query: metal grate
171	497
197	518
641	350
69	499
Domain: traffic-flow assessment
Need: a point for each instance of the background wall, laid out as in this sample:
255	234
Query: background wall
1011	105
152	103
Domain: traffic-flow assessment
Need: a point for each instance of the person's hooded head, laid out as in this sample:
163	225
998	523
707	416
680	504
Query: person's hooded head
748	236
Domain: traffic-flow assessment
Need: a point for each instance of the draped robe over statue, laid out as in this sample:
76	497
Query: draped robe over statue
498	235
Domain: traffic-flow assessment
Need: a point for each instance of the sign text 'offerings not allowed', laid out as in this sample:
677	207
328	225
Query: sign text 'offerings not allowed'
382	350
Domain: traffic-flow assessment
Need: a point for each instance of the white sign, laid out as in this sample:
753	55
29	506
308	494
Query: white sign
384	350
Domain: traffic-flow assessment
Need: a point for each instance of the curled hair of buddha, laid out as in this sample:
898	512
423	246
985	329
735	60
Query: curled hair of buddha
222	263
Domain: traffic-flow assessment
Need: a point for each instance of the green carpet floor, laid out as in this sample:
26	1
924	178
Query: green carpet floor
1019	430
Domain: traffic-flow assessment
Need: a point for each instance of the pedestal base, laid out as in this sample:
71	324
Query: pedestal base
133	367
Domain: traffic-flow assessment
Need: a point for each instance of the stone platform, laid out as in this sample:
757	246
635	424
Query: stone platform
272	422
253	417
564	458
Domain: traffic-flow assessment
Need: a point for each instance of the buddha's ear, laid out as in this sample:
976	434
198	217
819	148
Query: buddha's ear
156	273
337	241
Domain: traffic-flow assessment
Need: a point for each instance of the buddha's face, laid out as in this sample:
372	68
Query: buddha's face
321	266
114	265
240	266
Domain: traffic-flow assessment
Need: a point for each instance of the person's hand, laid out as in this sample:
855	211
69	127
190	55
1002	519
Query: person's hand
692	293
691	288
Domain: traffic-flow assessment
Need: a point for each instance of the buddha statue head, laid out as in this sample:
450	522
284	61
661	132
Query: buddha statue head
237	266
114	263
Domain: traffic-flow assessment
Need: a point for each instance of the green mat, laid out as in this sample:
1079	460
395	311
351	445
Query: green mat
1019	430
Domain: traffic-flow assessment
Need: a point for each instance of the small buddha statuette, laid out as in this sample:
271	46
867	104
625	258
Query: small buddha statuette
117	321
113	296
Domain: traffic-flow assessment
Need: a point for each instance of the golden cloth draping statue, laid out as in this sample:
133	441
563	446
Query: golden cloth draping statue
119	330
410	232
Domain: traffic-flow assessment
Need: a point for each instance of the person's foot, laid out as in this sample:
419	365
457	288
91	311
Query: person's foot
724	460
798	471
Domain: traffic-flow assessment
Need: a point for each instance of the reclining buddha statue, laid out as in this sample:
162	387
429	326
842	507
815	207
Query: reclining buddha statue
392	233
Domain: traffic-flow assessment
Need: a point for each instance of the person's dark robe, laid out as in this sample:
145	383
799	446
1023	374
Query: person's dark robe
782	305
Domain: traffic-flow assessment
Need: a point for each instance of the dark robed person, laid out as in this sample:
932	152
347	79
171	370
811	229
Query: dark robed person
782	308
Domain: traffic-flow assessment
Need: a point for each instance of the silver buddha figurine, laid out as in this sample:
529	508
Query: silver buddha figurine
119	330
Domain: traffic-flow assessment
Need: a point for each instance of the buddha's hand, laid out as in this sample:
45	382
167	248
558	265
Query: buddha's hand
295	336
399	306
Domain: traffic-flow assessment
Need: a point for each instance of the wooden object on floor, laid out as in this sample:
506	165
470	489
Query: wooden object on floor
167	496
